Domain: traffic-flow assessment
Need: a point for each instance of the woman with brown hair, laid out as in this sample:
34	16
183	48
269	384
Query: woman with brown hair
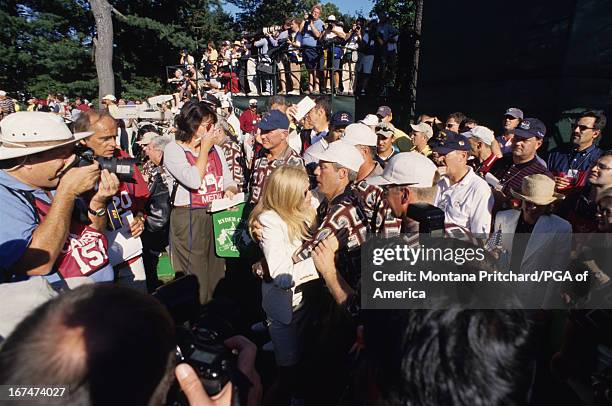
202	175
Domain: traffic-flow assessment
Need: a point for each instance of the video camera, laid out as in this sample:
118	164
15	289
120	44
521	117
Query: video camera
201	331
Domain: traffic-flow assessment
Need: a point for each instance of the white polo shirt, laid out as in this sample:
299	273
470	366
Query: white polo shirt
467	203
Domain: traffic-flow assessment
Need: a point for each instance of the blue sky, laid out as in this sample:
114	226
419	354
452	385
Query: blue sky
345	6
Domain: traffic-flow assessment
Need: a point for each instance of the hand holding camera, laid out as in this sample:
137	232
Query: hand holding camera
75	181
108	187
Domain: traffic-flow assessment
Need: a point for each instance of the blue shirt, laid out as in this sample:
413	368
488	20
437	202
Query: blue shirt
309	40
316	137
19	220
563	159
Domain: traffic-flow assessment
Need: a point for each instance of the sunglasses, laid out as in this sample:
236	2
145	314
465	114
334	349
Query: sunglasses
451	125
582	128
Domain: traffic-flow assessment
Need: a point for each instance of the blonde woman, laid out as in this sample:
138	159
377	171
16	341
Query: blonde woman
286	215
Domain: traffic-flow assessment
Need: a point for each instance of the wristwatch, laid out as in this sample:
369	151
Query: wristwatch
98	213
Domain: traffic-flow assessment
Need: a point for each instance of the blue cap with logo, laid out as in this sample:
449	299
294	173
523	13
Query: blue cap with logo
341	119
530	127
447	141
273	120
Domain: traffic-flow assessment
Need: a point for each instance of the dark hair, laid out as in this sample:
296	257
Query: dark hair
449	357
606	153
598	115
457	116
109	344
276	99
190	117
322	102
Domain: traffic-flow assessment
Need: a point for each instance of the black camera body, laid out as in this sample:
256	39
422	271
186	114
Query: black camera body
122	167
200	332
430	218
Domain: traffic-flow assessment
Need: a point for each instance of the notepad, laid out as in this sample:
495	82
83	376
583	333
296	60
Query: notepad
303	107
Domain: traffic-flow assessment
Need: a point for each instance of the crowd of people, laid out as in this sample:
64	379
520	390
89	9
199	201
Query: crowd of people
79	210
333	56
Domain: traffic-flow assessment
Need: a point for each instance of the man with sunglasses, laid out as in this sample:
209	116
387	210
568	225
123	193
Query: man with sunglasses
580	208
512	168
570	164
512	118
465	198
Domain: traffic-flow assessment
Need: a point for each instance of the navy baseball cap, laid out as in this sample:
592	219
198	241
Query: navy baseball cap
273	120
448	141
530	127
341	119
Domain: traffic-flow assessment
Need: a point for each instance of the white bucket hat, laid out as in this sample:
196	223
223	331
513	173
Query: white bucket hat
29	132
538	189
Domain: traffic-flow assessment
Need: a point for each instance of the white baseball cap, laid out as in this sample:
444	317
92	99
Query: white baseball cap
370	119
29	132
423	128
343	153
252	101
407	168
2	93
109	97
480	132
360	134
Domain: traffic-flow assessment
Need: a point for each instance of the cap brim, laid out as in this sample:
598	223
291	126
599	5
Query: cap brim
9	153
442	150
524	134
554	198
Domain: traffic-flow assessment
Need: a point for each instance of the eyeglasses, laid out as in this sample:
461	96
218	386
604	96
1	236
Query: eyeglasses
581	127
602	167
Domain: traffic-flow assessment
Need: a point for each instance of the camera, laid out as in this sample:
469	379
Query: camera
272	30
201	331
122	167
430	218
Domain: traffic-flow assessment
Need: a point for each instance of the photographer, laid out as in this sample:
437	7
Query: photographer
42	232
294	55
349	62
332	40
126	359
311	30
264	66
365	60
279	38
125	246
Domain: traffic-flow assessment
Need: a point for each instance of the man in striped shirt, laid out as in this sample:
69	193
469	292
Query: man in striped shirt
6	105
511	169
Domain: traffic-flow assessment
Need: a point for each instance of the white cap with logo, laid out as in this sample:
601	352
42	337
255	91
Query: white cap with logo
480	132
343	153
407	168
110	97
29	132
360	134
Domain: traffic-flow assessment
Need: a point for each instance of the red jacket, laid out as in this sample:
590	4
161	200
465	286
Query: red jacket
248	121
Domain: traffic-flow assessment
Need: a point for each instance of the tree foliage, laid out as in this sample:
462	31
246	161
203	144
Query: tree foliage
46	45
